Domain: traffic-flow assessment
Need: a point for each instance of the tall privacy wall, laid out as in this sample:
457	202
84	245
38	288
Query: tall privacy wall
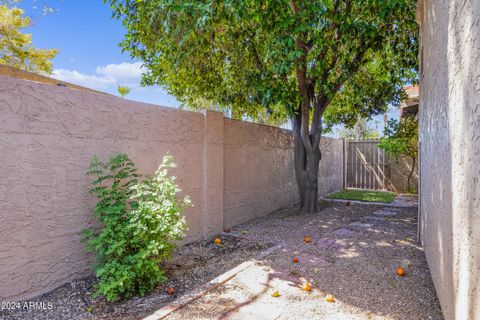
233	171
450	151
259	174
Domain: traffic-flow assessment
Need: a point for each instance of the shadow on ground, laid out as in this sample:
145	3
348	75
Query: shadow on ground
353	255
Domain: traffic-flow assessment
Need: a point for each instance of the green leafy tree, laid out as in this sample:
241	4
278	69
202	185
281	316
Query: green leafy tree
123	90
139	220
318	62
15	47
401	139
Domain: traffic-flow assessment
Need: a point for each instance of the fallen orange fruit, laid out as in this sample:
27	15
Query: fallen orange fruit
295	259
400	272
276	294
217	241
170	290
307	287
330	298
307	239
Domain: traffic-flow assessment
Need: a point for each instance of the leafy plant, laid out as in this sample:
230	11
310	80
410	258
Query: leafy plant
401	139
123	90
139	220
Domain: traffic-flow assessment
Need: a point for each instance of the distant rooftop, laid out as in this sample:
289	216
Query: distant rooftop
409	106
412	91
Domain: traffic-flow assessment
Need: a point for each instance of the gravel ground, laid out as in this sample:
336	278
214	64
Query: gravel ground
354	252
192	265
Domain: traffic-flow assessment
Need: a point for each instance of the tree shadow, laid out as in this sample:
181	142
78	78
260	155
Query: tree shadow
360	273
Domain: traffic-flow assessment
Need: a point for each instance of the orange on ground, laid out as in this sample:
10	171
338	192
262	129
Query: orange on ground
307	239
170	290
400	271
217	241
307	287
330	298
295	259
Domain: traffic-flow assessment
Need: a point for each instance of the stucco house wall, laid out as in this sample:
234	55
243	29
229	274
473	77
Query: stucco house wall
450	151
233	171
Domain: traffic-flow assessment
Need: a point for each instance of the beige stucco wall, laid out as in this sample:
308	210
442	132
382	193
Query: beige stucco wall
450	151
259	174
48	136
232	170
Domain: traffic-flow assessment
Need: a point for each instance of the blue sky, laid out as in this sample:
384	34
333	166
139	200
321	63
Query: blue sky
88	39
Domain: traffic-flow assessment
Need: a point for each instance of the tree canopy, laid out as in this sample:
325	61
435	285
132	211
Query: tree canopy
318	62
243	54
16	48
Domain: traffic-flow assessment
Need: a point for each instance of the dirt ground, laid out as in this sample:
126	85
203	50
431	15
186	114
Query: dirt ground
353	255
192	265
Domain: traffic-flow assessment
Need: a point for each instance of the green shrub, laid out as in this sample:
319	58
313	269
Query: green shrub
139	221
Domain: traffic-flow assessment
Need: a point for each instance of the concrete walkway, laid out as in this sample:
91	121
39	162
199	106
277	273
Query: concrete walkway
353	255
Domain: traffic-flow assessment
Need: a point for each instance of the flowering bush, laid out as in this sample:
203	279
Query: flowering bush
140	219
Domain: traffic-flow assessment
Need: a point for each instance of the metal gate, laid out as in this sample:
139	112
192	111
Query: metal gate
366	165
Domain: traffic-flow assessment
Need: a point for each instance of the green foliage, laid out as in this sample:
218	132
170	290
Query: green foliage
363	195
15	47
123	90
259	57
401	137
139	221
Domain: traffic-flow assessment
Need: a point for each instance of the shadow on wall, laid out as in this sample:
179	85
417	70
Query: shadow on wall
400	169
369	167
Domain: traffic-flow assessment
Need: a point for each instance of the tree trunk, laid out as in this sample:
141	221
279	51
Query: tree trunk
410	175
306	171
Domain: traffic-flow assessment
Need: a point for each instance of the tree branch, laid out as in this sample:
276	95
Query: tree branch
303	85
323	100
258	62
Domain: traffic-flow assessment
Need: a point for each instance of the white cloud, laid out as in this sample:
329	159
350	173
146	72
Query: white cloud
90	81
123	72
105	77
